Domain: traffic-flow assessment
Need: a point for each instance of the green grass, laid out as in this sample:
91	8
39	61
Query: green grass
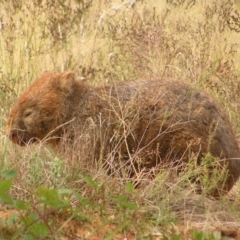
107	41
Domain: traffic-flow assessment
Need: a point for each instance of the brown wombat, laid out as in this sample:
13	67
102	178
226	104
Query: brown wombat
156	120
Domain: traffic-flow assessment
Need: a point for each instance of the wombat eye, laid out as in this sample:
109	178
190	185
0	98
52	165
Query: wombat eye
26	114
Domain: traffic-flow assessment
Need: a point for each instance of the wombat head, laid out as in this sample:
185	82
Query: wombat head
41	108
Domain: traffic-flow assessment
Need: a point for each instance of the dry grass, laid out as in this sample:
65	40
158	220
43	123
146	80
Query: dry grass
106	41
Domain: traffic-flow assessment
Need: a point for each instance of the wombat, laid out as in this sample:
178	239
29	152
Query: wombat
156	120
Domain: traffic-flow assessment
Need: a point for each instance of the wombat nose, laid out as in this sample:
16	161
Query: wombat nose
12	135
15	136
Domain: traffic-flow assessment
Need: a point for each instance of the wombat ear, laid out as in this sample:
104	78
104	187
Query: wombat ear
66	81
46	73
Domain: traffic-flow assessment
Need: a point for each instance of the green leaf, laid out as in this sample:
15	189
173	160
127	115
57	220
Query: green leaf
78	196
198	235
129	205
28	237
12	220
5	185
91	182
129	187
50	197
125	203
84	201
176	237
9	173
121	198
20	205
38	229
6	198
65	191
34	216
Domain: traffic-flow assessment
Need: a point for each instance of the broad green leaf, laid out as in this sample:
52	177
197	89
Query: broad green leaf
125	203
50	197
11	221
121	198
38	229
91	182
6	198
20	205
10	174
5	185
79	196
129	205
28	237
129	187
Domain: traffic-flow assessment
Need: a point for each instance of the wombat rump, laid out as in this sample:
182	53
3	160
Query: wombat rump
158	121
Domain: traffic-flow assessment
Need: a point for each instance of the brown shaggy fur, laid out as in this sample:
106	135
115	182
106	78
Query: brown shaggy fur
159	119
